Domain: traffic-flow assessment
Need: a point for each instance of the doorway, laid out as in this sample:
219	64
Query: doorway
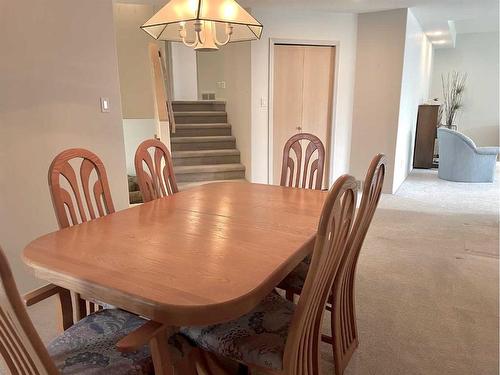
302	83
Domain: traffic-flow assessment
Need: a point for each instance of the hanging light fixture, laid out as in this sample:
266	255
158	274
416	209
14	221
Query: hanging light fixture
203	24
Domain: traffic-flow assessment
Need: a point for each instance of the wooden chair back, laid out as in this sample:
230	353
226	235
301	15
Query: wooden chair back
86	197
159	179
302	347
71	206
306	173
20	346
344	328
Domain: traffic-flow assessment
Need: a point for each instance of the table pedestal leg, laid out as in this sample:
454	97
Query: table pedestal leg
208	364
160	353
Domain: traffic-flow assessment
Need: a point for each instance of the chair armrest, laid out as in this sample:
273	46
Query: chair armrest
41	293
140	337
488	150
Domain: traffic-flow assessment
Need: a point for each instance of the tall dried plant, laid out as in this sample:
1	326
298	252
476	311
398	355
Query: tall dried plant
453	90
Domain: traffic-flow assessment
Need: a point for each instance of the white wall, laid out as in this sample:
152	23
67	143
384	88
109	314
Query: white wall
377	92
136	80
303	25
382	76
134	65
210	67
185	85
415	86
238	93
393	68
231	64
56	69
477	55
134	132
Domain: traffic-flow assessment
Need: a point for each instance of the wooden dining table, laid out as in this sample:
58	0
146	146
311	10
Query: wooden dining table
201	256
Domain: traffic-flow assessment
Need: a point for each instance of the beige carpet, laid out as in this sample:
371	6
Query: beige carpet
427	291
427	287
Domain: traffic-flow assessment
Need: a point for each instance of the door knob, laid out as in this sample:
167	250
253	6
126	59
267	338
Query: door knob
299	128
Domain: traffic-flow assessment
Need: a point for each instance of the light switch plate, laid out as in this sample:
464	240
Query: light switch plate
105	107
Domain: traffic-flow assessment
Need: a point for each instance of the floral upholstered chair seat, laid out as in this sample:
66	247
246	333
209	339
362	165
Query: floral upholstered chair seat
257	338
88	347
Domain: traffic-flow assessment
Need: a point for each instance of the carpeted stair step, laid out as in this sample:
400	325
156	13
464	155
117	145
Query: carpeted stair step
198	105
201	130
192	173
200	117
203	157
203	143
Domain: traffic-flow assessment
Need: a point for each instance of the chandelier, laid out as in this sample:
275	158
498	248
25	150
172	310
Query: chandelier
204	25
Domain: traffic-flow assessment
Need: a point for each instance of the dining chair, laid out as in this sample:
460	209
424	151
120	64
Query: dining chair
96	199
156	177
87	347
278	336
307	173
341	302
80	192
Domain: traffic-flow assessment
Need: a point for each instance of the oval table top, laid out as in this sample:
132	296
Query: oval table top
201	256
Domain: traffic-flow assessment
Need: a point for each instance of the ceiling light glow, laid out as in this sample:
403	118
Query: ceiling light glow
435	33
205	21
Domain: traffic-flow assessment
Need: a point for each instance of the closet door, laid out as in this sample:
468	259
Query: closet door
318	96
302	97
287	99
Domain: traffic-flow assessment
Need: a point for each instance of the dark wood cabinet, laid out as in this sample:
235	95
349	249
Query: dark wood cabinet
425	135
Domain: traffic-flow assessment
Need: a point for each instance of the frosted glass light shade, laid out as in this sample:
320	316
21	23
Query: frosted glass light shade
165	24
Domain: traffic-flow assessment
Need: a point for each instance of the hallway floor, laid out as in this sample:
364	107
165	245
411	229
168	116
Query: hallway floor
427	286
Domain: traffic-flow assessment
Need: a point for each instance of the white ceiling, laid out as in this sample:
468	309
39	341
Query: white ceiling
433	15
466	16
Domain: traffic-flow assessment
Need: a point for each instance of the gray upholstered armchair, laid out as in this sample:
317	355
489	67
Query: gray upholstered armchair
460	160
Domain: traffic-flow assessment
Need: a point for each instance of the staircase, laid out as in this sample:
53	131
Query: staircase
203	149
